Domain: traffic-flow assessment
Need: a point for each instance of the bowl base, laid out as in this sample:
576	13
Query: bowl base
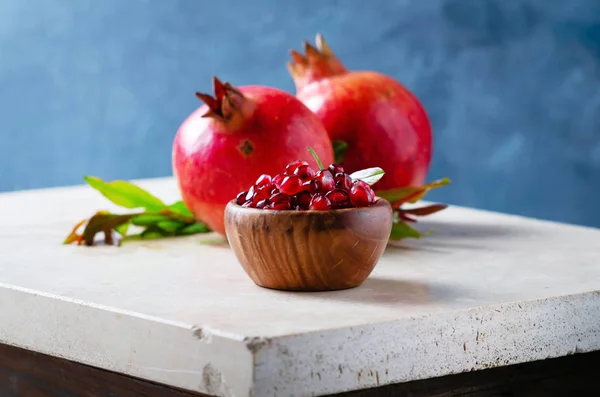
306	288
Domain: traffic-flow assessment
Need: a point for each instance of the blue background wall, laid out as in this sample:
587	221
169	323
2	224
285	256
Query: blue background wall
512	87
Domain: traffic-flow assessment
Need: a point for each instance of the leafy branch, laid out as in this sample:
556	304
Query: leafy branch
397	197
158	219
403	217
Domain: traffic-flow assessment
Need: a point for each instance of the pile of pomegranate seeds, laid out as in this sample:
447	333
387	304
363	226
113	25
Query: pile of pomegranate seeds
301	188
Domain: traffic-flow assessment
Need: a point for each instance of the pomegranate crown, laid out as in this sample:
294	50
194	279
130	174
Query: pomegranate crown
317	64
227	101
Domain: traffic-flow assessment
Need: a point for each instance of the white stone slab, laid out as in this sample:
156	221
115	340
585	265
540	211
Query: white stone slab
484	290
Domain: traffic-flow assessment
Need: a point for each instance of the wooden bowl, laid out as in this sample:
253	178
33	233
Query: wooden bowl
308	250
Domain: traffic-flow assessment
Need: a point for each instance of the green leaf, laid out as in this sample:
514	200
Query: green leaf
126	194
369	175
403	230
194	228
153	234
410	194
314	154
339	150
122	229
180	208
149	219
170	226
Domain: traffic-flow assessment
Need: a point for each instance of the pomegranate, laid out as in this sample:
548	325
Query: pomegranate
300	188
236	136
381	121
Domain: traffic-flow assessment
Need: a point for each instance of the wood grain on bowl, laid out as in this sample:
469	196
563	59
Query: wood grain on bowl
309	250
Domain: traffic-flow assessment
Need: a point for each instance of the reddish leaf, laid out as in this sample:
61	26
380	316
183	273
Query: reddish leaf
101	222
410	194
422	211
403	217
74	237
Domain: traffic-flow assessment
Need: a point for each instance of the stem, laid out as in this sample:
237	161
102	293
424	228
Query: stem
314	154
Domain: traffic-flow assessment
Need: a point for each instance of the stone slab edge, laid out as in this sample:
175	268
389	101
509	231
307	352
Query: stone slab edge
209	361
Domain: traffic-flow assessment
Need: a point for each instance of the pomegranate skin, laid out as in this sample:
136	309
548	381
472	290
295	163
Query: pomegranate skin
214	157
383	123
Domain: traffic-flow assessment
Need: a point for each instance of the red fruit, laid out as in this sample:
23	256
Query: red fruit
241	133
383	123
338	198
319	203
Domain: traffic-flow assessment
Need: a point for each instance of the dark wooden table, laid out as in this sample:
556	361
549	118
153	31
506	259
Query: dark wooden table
25	373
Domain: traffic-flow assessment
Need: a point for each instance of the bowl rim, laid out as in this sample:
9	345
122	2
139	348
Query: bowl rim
377	204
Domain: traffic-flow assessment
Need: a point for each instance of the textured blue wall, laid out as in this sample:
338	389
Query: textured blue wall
512	87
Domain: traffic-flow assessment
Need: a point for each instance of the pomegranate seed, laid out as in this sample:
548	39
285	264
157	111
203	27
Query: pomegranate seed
263	180
250	193
241	198
291	185
282	206
343	181
263	192
290	169
275	190
336	169
359	196
247	204
371	195
325	181
302	200
280	201
361	183
368	188
277	179
311	186
262	203
319	203
279	198
338	198
304	172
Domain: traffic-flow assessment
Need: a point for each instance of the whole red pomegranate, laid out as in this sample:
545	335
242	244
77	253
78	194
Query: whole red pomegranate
236	136
383	122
